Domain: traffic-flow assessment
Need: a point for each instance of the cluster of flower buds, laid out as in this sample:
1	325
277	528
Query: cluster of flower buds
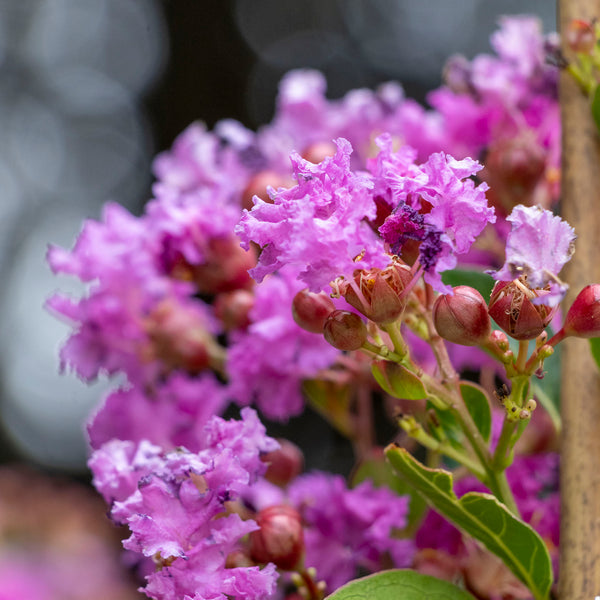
463	317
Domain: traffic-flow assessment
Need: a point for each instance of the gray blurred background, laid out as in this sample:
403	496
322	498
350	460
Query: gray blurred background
90	90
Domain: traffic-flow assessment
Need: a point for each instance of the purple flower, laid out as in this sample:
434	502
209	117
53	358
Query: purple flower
174	504
172	414
440	207
347	529
267	362
317	228
538	246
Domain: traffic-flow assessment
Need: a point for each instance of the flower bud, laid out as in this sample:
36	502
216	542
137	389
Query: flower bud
179	337
462	318
512	308
258	184
310	310
225	267
345	330
285	463
513	169
280	539
319	151
232	309
581	36
377	293
583	318
499	339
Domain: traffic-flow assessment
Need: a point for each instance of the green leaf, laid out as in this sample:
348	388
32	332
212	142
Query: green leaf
595	348
596	107
399	584
378	470
482	282
485	518
398	381
478	406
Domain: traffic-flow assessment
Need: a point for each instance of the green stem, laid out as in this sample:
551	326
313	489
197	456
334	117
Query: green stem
382	352
416	431
505	445
393	330
522	356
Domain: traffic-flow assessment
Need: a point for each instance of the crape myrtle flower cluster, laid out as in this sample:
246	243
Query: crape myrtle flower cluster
305	262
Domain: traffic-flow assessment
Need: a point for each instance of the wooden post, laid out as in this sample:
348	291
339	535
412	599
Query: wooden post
580	449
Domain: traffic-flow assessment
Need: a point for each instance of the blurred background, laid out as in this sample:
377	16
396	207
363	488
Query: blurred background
91	90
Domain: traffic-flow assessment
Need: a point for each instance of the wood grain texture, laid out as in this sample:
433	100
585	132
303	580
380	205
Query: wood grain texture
580	449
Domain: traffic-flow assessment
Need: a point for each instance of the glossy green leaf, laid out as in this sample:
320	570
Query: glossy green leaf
595	348
483	517
399	584
596	107
478	406
482	282
398	381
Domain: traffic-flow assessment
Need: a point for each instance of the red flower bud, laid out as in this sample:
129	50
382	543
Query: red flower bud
345	330
319	151
463	317
583	318
285	463
376	293
512	308
179	337
513	168
225	268
258	184
232	309
581	36
310	310
280	539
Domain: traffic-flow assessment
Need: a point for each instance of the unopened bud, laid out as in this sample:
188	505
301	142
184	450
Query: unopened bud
233	309
581	36
378	293
317	152
512	308
310	310
499	338
345	330
258	186
462	317
285	463
583	318
531	405
513	168
179	337
280	539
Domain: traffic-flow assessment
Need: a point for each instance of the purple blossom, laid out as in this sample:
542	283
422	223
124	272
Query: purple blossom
318	227
304	117
347	529
538	246
200	159
171	501
267	362
172	414
438	205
